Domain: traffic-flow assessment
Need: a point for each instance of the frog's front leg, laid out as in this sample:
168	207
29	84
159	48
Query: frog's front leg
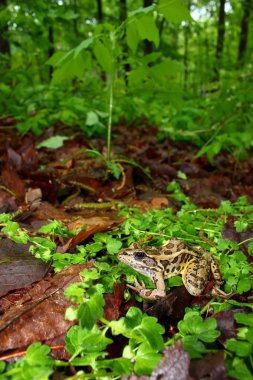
151	294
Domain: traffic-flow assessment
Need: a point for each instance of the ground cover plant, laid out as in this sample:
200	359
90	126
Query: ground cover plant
120	124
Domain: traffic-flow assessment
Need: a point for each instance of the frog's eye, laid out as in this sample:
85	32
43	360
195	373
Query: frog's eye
139	255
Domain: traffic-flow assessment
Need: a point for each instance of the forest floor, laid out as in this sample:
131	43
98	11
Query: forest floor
66	184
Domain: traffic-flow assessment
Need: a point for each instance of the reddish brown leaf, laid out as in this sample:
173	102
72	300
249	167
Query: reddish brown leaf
107	224
39	314
226	324
113	302
12	180
172	307
210	367
18	267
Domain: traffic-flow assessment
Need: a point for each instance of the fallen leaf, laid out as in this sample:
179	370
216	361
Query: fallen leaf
113	302
173	365
39	314
172	307
18	268
212	366
13	181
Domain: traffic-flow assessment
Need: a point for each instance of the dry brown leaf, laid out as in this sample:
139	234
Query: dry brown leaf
13	181
210	367
174	364
18	268
39	314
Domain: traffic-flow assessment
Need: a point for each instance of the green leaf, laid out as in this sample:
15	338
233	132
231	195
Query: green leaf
126	325
57	58
192	345
141	328
90	311
244	285
250	249
175	281
194	324
239	370
244	319
2	366
37	364
82	46
181	175
146	360
167	68
4	218
113	246
118	366
90	274
226	206
132	36
53	142
174	11
83	341
142	10
240	348
71	66
92	118
75	291
249	335
240	225
103	56
147	29
114	168
11	228
38	354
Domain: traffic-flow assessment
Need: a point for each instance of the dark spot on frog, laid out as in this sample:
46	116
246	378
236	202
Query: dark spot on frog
180	247
165	263
170	245
168	252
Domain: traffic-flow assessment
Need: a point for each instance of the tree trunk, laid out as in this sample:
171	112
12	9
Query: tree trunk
244	32
51	49
220	39
100	11
4	42
148	45
122	18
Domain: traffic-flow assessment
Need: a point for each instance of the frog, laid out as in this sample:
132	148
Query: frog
174	257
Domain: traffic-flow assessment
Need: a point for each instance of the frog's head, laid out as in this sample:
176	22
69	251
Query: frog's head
140	258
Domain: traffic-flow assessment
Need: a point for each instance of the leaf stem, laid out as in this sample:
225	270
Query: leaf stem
111	99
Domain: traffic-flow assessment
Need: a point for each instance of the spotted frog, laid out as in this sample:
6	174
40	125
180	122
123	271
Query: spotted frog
173	258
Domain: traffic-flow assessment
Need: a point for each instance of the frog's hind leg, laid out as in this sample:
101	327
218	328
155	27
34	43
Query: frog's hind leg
218	281
195	276
216	272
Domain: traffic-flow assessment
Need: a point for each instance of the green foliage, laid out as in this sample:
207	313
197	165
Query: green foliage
214	115
196	333
14	232
87	342
53	142
37	364
237	272
240	349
